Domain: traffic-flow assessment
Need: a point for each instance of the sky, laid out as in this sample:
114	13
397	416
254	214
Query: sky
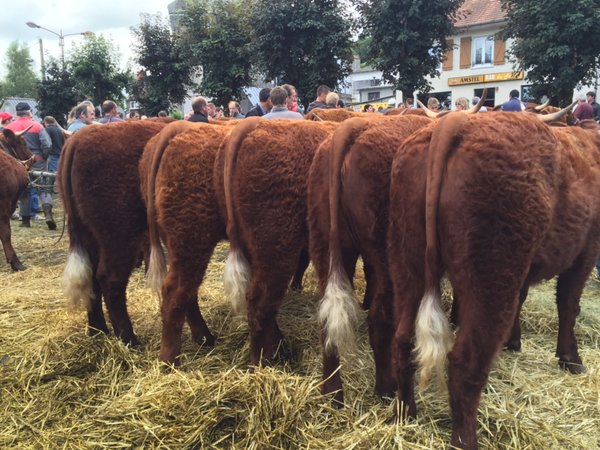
112	18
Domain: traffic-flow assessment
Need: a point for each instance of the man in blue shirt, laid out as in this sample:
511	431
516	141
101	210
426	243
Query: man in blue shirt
84	114
513	104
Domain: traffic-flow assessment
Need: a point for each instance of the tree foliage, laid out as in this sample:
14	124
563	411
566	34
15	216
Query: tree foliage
408	38
20	79
166	72
303	42
57	93
217	33
555	43
95	68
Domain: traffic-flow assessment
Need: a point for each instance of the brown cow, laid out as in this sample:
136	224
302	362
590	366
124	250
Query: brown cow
498	201
264	180
13	166
349	181
180	180
99	187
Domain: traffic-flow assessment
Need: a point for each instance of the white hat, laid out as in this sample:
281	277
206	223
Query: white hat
392	101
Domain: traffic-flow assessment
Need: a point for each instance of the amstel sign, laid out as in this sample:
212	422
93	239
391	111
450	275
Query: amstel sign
486	78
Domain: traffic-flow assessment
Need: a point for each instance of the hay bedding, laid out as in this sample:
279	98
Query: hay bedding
60	388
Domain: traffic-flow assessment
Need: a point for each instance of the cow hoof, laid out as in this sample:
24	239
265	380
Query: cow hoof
51	224
574	368
513	346
17	266
205	341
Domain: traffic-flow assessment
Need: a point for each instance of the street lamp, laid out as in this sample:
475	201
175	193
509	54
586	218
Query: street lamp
61	38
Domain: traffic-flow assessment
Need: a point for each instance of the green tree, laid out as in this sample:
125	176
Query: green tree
166	72
217	33
305	43
57	94
408	38
555	43
94	65
20	80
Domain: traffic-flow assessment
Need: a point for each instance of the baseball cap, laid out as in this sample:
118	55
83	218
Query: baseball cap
22	106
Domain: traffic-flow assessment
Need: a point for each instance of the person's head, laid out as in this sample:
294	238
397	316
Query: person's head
162	114
134	115
514	94
212	109
331	100
461	103
433	104
234	108
475	100
85	112
109	108
279	96
391	103
368	108
49	120
200	106
581	98
264	94
408	102
5	118
322	92
591	96
219	112
340	103
23	109
292	95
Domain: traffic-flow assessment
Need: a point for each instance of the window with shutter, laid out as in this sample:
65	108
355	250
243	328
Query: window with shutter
465	52
448	60
499	50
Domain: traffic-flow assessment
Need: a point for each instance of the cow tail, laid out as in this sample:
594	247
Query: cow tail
157	265
77	276
236	275
338	309
432	329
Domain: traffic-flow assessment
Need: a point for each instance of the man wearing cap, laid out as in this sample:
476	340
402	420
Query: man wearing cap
39	143
5	119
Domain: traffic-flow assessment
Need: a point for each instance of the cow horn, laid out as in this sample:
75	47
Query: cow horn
543	106
477	107
318	118
21	133
429	113
557	115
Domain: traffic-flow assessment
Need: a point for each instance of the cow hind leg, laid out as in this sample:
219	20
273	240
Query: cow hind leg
514	341
264	299
96	321
485	325
180	302
9	251
113	282
303	263
568	293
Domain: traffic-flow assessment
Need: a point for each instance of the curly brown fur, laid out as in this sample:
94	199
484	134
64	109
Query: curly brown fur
353	191
518	203
268	195
100	188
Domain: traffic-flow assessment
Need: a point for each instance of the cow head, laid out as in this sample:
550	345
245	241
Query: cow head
14	144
